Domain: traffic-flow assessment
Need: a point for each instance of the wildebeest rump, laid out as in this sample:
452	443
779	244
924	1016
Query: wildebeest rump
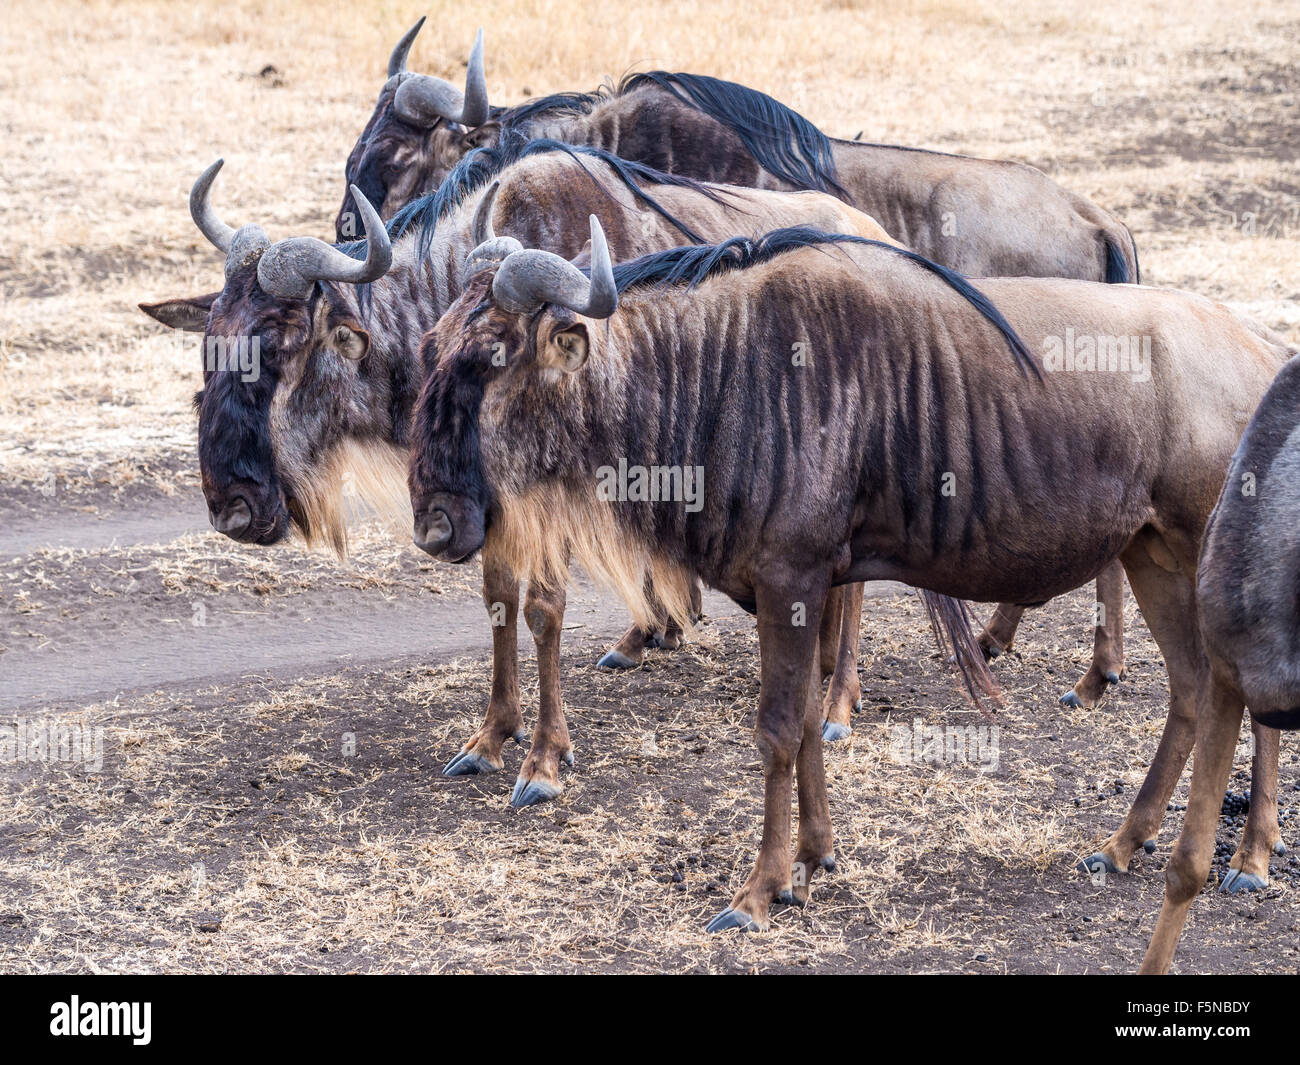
340	369
834	470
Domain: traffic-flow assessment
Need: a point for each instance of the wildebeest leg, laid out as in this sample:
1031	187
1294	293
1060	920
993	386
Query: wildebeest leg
789	615
629	652
1168	605
1218	723
815	847
539	776
482	754
1107	643
999	633
844	693
1248	870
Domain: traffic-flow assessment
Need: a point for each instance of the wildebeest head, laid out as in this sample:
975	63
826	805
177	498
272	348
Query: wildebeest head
516	331
421	128
280	350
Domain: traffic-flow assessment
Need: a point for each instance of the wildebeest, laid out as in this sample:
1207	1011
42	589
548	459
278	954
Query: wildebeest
340	367
982	217
1246	595
911	446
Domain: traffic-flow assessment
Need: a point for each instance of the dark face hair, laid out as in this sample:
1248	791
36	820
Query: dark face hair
395	162
449	492
236	458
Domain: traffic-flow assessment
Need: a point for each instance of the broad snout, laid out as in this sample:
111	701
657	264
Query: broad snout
244	515
433	532
449	527
233	519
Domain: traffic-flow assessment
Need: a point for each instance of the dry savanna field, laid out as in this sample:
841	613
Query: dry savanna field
266	793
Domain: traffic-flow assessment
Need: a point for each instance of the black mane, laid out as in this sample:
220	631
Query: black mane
481	165
781	141
692	264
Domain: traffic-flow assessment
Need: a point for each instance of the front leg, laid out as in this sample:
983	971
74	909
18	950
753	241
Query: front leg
482	752
789	613
539	777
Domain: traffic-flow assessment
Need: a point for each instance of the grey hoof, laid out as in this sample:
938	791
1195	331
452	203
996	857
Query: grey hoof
1111	677
467	764
728	919
828	863
1095	863
1149	846
1279	848
832	732
568	757
788	898
616	660
994	652
857	707
520	737
531	792
1235	882
1071	699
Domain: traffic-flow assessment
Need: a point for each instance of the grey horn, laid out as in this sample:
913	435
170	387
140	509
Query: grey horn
528	279
489	249
397	61
212	227
423	99
290	268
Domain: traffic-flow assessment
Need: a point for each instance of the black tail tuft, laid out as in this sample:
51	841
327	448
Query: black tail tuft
950	621
1117	271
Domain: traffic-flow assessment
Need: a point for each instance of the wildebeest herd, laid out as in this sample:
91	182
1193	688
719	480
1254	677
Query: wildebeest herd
869	362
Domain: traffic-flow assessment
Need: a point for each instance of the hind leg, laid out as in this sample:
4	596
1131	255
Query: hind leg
1168	602
844	693
1000	632
1262	837
1107	643
1218	723
482	751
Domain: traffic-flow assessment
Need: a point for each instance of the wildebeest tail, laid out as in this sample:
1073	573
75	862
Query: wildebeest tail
950	620
1119	270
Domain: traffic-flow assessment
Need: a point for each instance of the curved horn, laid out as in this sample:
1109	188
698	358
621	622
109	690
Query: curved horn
529	279
212	227
489	249
482	231
423	99
397	61
290	268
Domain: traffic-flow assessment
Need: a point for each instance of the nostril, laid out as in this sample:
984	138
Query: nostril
433	531
234	518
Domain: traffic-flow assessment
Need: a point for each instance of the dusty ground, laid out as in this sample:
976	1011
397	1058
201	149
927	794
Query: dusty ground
227	678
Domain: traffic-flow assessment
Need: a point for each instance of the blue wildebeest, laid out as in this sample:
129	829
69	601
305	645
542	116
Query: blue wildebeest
833	471
340	367
1246	594
980	216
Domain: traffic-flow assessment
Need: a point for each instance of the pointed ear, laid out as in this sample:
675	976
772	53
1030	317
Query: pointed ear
487	134
351	341
188	314
583	259
565	349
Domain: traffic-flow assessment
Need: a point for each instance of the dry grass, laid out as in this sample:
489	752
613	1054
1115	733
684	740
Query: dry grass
1176	116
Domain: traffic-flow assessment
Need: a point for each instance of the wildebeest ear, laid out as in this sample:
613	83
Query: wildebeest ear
188	314
566	349
583	259
351	342
487	134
